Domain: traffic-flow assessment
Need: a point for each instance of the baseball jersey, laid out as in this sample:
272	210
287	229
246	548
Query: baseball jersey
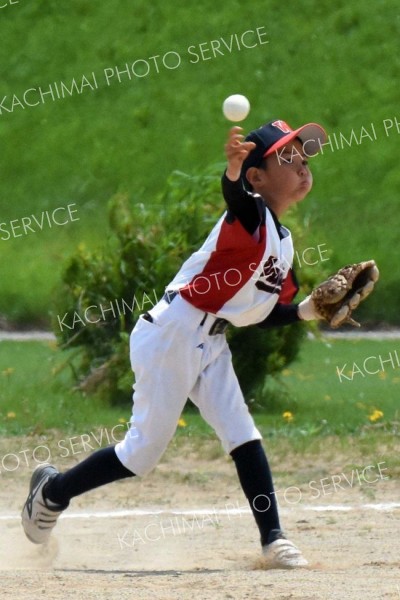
243	269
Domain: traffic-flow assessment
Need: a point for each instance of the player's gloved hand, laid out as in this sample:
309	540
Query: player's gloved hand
335	299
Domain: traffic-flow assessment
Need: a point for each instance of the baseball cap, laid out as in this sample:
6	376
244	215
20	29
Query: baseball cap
276	134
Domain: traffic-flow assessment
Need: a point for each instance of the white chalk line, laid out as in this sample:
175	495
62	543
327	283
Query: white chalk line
139	512
378	334
27	336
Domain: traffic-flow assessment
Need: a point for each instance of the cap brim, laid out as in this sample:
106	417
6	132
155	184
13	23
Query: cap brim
312	136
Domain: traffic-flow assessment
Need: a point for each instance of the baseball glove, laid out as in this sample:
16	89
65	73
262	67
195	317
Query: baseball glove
335	299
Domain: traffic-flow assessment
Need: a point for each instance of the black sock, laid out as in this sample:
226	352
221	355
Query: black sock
256	480
102	467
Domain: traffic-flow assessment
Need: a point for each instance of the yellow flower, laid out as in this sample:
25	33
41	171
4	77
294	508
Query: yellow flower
11	415
8	371
286	372
288	416
375	415
182	422
304	377
382	375
122	420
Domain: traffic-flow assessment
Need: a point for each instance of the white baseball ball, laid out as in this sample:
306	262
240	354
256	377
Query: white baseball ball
236	107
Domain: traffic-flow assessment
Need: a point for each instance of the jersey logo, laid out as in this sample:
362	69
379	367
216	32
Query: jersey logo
284	127
271	276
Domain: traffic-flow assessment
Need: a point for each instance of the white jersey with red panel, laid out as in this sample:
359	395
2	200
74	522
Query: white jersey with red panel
239	276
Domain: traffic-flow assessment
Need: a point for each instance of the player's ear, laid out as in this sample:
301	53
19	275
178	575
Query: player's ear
253	176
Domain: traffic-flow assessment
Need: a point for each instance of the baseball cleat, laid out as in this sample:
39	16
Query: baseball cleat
38	517
283	554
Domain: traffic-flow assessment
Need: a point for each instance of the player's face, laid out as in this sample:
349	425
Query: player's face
286	179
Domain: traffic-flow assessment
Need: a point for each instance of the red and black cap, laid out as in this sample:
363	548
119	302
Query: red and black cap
276	134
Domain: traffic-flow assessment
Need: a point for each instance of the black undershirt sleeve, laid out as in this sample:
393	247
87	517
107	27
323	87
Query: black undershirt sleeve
248	208
281	314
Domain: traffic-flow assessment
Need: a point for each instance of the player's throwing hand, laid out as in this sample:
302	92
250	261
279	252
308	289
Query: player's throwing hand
236	152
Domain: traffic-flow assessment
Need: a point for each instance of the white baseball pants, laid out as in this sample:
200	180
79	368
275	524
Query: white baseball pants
175	358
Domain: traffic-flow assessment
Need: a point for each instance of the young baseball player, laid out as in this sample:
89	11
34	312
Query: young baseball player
241	276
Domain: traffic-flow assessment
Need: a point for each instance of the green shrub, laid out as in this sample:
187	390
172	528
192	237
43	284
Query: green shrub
105	290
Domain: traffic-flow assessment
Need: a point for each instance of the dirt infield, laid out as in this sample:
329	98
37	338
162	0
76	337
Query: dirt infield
184	532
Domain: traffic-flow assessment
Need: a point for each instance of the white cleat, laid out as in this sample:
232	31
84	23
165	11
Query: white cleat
38	518
283	554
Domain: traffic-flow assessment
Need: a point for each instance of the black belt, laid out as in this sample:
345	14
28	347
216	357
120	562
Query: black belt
219	326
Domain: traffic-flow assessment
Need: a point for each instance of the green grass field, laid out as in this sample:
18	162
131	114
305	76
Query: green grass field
37	394
335	64
315	402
